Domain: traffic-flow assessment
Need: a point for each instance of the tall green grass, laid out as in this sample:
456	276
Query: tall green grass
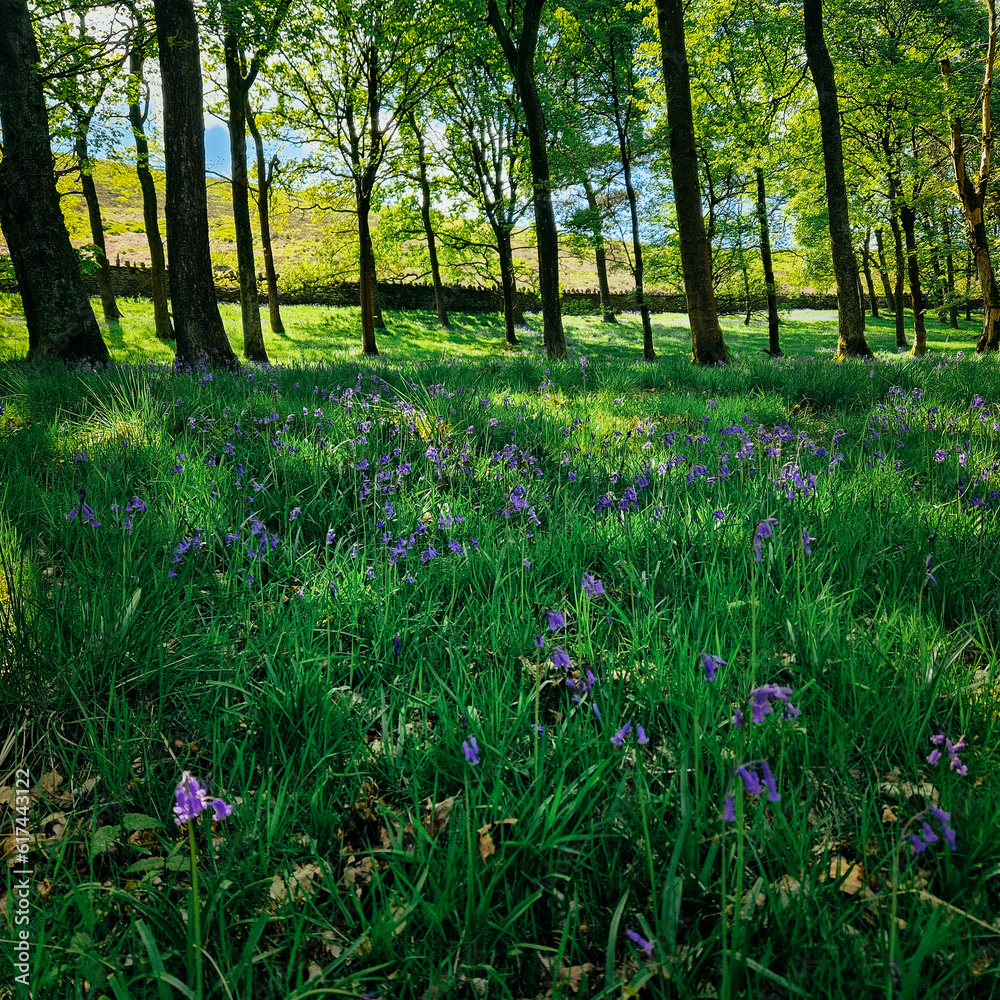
404	531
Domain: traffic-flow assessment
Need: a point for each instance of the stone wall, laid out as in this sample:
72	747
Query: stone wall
136	282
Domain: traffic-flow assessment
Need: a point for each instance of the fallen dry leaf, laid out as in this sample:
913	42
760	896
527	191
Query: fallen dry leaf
295	886
888	814
841	867
486	845
357	875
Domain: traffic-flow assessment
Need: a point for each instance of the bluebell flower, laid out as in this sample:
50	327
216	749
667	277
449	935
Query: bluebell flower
646	947
471	750
711	665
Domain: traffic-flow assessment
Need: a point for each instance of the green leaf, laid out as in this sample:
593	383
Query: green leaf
103	838
139	821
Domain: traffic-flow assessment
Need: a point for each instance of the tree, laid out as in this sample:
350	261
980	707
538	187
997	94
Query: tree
750	72
198	324
606	43
86	65
265	179
519	44
972	191
707	344
423	181
249	34
351	75
488	159
851	342
61	323
141	40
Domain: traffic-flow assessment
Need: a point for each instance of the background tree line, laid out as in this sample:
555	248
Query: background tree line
688	137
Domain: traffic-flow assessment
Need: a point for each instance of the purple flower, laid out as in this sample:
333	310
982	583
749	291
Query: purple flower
750	779
89	515
539	641
593	586
729	811
764	530
737	720
761	698
940	455
560	659
927	569
192	799
640	736
711	664
71	516
294	513
929	836
646	947
330	536
769	783
719	515
397	644
471	750
619	738
956	762
806	539
556	621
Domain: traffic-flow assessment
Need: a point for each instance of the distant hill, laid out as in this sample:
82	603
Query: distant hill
309	241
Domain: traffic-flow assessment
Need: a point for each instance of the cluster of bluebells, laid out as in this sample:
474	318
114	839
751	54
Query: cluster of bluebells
192	800
471	750
640	735
761	703
133	506
920	842
753	784
181	550
765	529
952	749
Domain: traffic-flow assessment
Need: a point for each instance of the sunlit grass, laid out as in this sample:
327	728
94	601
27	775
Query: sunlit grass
326	668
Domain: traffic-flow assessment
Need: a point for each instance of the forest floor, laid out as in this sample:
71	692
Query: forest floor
524	679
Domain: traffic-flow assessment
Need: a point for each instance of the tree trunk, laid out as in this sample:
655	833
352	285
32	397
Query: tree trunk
600	256
150	209
425	216
866	268
949	261
773	344
198	325
61	323
707	344
883	273
377	318
112	314
237	88
508	284
968	287
973	194
648	354
521	59
908	218
851	342
940	284
900	310
265	175
366	277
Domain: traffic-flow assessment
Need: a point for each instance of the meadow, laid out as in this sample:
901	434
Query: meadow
521	679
